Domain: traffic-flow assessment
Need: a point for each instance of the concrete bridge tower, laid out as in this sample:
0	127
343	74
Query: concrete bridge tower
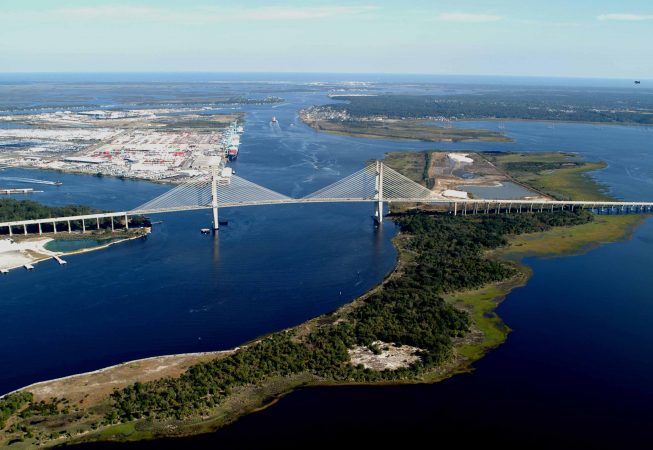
214	197
378	206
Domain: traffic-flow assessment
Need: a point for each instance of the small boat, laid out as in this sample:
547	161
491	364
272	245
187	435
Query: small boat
4	271
274	120
58	183
205	230
223	222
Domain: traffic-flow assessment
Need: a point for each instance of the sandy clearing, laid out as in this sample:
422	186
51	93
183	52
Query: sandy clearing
92	387
17	254
389	357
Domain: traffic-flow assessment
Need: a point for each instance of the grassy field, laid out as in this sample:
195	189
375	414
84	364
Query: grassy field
560	175
407	129
413	165
572	240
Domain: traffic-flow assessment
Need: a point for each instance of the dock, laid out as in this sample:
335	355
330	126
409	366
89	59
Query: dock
16	191
59	260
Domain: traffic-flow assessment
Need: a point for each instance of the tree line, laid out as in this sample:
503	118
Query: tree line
563	105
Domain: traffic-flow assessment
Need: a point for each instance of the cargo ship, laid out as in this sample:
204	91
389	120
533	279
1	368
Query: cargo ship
231	141
232	152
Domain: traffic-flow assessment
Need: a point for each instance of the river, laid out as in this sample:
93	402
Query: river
577	363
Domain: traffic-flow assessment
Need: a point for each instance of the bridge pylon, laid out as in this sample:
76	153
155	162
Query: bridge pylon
378	206
214	197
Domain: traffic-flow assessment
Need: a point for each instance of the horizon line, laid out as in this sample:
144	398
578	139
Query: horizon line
588	77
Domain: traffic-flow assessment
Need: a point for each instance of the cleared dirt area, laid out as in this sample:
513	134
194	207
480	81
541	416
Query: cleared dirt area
443	171
92	387
386	356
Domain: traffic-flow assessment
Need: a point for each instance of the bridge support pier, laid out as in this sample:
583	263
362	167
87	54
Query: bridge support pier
378	212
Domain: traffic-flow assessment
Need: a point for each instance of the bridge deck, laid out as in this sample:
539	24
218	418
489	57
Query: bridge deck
454	203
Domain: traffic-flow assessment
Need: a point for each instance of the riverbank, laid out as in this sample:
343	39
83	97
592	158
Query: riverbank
28	250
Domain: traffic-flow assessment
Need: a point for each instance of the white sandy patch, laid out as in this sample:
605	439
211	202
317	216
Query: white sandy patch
460	157
17	254
390	357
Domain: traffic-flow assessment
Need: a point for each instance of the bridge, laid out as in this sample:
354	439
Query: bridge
376	183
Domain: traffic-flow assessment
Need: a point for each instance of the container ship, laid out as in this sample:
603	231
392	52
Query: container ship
231	141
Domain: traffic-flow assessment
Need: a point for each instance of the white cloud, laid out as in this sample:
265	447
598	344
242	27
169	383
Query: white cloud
625	17
280	13
188	16
468	17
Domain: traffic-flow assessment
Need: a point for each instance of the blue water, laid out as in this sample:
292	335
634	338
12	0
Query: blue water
576	366
72	245
507	191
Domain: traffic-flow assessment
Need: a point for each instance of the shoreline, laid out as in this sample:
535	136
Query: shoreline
118	365
622	124
80	172
46	255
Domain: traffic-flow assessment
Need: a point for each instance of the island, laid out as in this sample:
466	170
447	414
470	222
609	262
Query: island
329	120
429	319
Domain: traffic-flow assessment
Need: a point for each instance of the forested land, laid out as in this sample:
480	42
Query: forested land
632	106
447	255
16	210
12	210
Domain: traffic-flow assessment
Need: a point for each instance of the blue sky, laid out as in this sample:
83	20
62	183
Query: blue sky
578	38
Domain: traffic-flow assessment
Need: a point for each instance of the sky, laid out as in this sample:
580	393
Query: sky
565	38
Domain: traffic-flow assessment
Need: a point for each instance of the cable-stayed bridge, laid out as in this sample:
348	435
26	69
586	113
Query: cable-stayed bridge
376	183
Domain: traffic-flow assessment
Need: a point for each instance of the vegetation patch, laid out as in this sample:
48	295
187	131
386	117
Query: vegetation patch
407	129
563	176
523	104
12	210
